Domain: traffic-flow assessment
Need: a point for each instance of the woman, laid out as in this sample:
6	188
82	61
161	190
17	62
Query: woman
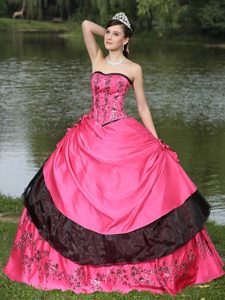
112	209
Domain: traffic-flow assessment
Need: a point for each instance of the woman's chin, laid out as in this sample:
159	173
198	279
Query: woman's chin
111	47
108	47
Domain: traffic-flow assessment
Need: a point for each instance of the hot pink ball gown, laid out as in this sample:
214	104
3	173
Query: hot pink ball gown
112	209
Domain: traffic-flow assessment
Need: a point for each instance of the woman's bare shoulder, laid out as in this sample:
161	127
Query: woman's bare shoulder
135	69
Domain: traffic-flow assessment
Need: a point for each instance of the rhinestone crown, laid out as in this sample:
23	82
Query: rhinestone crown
122	18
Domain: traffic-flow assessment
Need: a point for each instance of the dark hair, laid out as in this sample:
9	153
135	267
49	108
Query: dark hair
127	32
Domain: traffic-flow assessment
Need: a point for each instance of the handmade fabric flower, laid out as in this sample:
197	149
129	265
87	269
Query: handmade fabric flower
167	148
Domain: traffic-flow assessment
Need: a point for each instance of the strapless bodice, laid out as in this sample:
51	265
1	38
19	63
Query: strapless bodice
108	92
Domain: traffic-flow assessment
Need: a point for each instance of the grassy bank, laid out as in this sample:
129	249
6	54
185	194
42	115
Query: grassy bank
34	26
13	290
10	209
71	30
10	205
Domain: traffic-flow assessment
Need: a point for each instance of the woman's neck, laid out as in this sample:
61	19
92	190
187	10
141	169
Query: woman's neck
115	55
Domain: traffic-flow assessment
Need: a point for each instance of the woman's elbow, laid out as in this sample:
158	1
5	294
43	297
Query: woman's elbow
142	108
85	24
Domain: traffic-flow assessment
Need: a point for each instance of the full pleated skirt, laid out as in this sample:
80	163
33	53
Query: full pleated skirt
113	210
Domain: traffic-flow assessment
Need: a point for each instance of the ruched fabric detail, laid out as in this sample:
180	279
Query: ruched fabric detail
115	178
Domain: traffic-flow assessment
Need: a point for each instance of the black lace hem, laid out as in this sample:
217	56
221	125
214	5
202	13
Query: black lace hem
84	246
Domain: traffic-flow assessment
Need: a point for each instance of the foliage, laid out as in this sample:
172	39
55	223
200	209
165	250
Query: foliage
190	16
158	10
10	205
160	7
101	10
35	9
2	7
204	16
212	16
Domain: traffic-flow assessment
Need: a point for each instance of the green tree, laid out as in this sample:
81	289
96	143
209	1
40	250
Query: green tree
206	16
103	8
129	7
212	17
66	8
34	9
157	10
3	7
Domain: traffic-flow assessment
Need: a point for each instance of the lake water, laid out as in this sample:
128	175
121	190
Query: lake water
44	88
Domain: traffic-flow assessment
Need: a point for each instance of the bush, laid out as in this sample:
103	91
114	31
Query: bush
207	17
212	17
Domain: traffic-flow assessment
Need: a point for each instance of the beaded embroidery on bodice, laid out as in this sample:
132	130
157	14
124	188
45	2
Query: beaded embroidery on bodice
108	92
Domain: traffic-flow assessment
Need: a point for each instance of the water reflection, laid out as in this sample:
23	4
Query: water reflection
44	88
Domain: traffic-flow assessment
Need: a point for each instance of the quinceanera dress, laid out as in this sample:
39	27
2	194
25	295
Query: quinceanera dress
112	209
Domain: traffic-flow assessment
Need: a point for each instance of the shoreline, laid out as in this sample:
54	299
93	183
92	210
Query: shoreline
6	218
71	29
12	25
11	209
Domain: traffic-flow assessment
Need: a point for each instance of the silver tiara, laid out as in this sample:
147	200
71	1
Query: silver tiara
122	18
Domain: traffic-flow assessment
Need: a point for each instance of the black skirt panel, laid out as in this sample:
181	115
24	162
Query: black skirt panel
87	247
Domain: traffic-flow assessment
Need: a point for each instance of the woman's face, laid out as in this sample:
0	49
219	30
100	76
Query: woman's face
114	38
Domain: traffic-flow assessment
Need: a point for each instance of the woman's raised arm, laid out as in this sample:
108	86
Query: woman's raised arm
90	29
